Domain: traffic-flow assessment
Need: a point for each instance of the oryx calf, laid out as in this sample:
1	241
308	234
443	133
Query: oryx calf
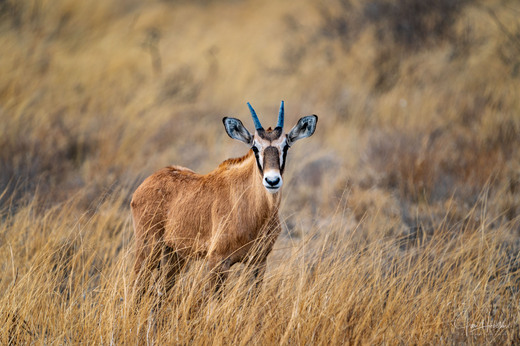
229	215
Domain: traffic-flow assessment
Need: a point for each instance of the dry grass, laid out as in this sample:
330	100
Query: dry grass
401	213
66	279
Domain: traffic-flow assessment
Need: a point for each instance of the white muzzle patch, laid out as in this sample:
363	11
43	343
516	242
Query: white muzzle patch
272	181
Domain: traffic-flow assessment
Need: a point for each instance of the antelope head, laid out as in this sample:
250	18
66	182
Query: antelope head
270	146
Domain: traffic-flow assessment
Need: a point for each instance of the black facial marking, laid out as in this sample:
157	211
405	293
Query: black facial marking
284	156
255	150
269	134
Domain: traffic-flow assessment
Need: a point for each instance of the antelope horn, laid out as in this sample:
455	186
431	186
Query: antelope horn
258	126
280	116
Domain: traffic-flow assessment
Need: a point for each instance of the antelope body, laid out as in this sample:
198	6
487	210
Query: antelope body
229	215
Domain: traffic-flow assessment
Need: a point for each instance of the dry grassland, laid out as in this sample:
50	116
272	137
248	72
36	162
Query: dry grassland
401	214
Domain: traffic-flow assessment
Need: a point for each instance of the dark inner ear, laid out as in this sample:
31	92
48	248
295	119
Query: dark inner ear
304	128
236	130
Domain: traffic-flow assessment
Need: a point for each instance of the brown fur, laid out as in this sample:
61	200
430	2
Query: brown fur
179	214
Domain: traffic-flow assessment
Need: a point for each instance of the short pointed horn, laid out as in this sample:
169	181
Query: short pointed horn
258	126
280	116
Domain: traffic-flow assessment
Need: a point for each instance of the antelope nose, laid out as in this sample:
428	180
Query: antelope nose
272	182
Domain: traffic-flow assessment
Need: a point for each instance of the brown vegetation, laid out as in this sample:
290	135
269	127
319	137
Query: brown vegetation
401	216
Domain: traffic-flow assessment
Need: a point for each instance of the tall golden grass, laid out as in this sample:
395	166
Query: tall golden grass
401	214
66	279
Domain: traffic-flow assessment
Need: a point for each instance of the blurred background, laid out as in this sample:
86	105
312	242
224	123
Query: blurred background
418	101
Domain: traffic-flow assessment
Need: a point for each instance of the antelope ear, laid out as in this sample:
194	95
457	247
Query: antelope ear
236	130
303	129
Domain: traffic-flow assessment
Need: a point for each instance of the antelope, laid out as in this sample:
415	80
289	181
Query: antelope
227	216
